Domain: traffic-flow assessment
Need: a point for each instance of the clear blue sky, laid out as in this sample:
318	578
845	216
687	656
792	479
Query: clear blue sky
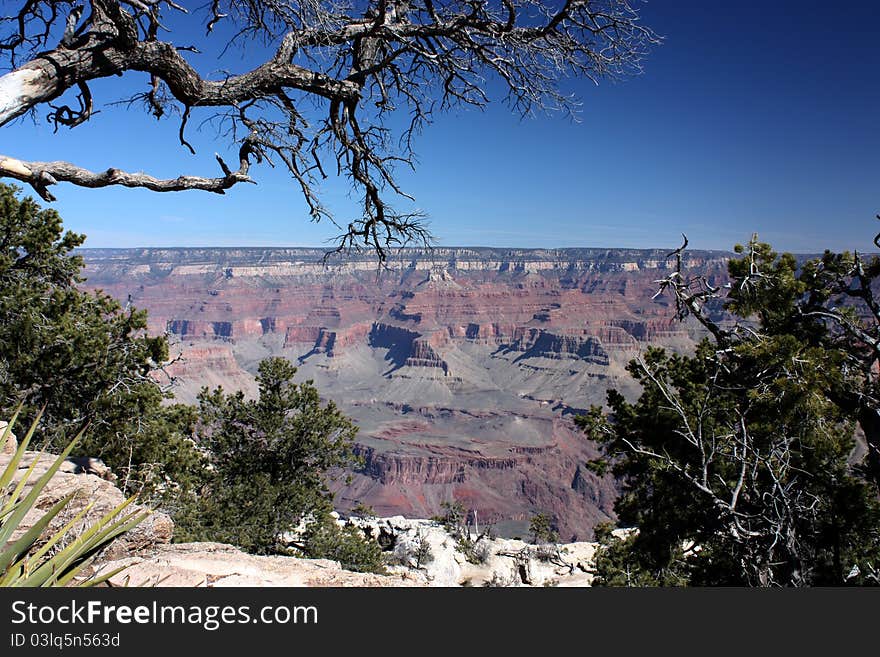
753	116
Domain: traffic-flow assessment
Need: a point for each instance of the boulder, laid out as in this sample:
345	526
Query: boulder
88	465
155	530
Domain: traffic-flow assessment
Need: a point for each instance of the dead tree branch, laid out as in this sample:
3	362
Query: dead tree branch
347	70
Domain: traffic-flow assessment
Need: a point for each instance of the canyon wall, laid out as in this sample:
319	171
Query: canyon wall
463	367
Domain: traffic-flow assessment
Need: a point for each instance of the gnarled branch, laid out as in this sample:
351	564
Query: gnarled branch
41	175
356	66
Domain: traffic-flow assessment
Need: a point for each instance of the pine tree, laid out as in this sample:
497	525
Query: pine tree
738	463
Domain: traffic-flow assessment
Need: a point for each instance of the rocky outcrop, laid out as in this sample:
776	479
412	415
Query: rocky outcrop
417	553
81	477
216	565
210	364
468	558
420	470
302	335
538	343
422	354
388	336
325	340
146	552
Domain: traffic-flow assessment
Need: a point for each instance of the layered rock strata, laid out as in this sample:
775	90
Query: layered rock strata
463	366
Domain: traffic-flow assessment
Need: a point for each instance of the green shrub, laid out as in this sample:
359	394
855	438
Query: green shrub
79	356
541	529
325	539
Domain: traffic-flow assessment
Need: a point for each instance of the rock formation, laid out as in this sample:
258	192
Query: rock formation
488	561
462	367
219	565
92	483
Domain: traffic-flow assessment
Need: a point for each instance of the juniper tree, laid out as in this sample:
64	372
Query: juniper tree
267	463
81	356
740	463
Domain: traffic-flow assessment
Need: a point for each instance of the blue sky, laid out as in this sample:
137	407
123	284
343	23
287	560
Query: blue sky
751	117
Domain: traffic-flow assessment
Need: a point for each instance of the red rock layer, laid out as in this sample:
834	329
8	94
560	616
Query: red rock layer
573	314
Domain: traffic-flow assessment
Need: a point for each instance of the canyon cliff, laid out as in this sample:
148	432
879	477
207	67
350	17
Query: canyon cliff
463	367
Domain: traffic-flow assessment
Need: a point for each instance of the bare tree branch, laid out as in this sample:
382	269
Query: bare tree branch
40	175
353	67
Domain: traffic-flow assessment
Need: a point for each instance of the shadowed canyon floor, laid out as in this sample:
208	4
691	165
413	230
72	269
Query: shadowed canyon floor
462	367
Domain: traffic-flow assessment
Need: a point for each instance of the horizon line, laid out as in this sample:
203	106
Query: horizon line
438	246
395	249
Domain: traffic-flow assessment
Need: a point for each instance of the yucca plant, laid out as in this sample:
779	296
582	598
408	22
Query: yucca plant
30	559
